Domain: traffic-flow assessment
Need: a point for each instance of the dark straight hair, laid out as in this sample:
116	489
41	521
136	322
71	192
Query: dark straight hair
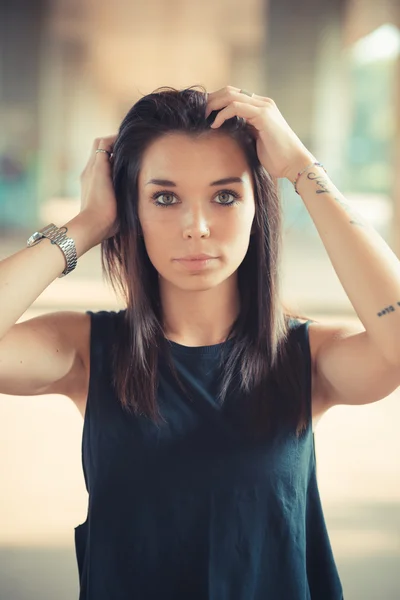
265	364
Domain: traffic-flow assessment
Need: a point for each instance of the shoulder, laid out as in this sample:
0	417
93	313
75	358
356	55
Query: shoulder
326	332
319	335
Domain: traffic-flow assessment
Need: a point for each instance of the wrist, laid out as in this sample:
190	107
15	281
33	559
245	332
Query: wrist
85	232
298	165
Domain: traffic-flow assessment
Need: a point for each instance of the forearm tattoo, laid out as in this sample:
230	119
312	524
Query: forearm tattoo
355	219
319	180
323	183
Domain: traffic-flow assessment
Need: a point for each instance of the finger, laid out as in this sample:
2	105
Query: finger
253	114
105	143
222	102
221	98
231	89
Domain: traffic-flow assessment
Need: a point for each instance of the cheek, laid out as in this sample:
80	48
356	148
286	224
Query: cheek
240	224
154	223
158	237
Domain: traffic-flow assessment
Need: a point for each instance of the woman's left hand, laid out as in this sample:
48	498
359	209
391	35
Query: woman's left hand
279	149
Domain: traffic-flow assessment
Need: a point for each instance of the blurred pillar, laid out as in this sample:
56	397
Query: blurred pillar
306	79
295	33
331	116
21	24
62	84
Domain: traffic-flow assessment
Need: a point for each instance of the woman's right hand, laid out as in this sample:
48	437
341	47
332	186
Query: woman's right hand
98	197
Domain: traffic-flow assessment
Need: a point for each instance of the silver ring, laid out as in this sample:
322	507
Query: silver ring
106	151
251	94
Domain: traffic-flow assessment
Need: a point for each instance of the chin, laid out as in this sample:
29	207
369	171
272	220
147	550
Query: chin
197	282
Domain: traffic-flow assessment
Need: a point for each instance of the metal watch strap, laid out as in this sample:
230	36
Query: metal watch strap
57	235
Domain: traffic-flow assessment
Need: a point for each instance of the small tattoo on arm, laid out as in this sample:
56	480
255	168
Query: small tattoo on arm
319	180
355	218
323	183
387	310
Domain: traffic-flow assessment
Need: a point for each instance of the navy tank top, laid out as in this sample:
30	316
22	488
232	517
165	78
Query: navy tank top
191	510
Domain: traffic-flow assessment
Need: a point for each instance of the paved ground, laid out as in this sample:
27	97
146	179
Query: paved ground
43	496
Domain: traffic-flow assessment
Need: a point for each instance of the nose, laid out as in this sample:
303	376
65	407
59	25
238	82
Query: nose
196	226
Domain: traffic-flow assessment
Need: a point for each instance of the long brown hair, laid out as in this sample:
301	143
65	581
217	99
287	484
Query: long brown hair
271	370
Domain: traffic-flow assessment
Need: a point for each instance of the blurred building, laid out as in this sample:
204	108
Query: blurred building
71	69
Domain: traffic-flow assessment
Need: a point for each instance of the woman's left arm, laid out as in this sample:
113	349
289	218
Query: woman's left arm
350	367
368	269
354	367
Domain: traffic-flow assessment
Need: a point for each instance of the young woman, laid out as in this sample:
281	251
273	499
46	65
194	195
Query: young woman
200	397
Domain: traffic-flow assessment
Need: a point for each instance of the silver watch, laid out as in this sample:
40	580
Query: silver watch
57	235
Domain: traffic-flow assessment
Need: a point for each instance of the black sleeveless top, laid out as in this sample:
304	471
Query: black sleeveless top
191	511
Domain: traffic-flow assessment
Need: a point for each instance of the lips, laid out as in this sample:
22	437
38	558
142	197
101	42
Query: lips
196	264
196	257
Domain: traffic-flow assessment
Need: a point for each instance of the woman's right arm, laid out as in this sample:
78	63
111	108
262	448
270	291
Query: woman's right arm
42	355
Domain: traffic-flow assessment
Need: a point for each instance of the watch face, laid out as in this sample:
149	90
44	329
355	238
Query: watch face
38	235
34	238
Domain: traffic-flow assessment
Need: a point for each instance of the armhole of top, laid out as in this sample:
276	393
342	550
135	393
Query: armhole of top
91	359
301	333
308	368
307	354
99	328
85	444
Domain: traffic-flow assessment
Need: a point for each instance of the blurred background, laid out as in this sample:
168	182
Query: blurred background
69	71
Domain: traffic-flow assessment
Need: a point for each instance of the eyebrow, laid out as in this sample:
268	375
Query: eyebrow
167	182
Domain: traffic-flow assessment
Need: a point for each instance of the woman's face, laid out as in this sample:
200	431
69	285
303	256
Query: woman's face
200	213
